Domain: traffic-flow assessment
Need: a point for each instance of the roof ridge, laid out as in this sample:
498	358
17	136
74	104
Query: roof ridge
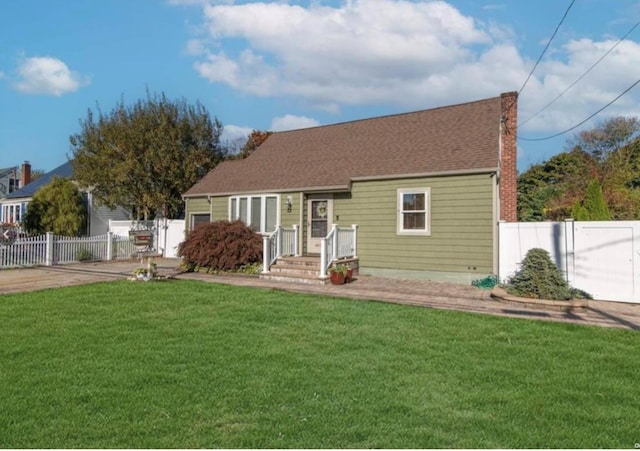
406	113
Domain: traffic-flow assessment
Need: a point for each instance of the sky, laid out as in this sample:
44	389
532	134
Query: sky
287	65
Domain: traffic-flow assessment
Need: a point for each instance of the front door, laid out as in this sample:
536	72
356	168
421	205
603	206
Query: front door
319	214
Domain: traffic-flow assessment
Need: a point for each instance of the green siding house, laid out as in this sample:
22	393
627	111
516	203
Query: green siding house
420	193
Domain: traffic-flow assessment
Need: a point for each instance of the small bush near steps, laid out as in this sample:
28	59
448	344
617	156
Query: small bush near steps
540	278
221	246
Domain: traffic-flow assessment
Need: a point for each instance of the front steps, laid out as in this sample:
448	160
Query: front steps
302	270
296	270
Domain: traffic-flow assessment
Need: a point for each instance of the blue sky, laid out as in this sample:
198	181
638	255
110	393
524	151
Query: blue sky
292	64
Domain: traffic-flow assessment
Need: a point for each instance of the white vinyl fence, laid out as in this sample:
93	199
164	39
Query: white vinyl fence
167	233
50	250
599	257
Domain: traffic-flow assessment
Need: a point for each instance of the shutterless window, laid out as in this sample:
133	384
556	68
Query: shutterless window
200	218
413	211
256	203
259	212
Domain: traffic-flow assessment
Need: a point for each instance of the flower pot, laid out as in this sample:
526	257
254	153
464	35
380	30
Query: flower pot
337	278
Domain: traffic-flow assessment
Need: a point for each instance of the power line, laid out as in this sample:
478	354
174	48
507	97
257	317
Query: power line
547	46
590	117
583	75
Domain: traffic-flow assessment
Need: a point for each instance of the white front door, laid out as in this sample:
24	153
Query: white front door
319	214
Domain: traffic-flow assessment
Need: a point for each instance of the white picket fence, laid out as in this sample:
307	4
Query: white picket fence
50	250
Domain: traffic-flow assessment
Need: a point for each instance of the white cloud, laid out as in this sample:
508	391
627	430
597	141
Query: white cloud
415	54
599	87
47	75
234	132
234	137
364	51
291	122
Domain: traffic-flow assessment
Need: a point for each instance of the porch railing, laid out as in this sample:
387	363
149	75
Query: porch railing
339	243
50	249
280	243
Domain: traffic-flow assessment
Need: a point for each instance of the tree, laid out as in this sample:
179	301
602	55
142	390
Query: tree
547	191
607	137
57	207
594	207
145	156
256	138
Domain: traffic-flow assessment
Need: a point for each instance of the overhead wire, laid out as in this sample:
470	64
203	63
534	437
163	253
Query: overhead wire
590	117
583	75
547	46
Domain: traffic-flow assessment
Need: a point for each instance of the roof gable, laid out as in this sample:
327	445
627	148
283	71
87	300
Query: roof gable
458	138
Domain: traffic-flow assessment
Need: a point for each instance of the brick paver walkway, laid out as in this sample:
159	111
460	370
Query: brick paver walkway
409	292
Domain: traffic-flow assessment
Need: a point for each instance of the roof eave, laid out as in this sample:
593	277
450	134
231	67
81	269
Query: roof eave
476	171
306	189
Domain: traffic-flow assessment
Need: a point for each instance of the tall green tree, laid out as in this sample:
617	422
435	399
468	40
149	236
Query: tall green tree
593	207
146	155
57	207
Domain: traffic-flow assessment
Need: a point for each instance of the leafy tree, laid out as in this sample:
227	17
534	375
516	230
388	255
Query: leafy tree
256	138
607	137
57	207
145	156
547	191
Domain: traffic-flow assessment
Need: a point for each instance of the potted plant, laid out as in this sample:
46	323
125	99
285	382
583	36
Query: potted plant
146	274
340	274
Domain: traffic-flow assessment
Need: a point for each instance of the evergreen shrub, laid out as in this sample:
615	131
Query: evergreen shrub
221	246
540	278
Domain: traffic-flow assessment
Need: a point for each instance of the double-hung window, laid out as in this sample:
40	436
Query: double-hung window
413	211
260	212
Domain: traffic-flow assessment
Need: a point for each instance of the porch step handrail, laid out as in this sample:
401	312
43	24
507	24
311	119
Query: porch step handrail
280	243
340	242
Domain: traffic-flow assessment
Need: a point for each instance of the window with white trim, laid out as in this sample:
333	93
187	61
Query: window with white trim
259	212
11	213
199	218
413	211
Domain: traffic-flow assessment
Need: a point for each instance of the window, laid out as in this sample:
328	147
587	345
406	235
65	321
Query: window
413	211
200	218
258	212
11	213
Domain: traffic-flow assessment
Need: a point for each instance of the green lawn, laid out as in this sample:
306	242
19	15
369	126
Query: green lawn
197	365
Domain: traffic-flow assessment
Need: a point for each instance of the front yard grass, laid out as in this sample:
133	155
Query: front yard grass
196	365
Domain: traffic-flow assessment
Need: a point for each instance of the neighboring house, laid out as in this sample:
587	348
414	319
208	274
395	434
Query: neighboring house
11	180
98	216
426	189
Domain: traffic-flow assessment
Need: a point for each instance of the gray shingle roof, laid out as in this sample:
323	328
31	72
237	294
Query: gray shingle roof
63	171
458	138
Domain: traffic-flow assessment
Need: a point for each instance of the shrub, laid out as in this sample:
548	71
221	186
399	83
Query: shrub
221	246
83	255
540	278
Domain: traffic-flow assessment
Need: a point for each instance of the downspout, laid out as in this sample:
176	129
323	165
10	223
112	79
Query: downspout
496	224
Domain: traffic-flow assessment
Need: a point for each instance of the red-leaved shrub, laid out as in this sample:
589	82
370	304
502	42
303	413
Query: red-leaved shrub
221	246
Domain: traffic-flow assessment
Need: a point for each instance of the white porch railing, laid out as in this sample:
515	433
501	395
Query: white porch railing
50	250
339	243
280	243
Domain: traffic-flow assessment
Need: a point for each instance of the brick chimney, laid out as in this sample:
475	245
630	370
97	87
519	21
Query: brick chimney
25	174
508	157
